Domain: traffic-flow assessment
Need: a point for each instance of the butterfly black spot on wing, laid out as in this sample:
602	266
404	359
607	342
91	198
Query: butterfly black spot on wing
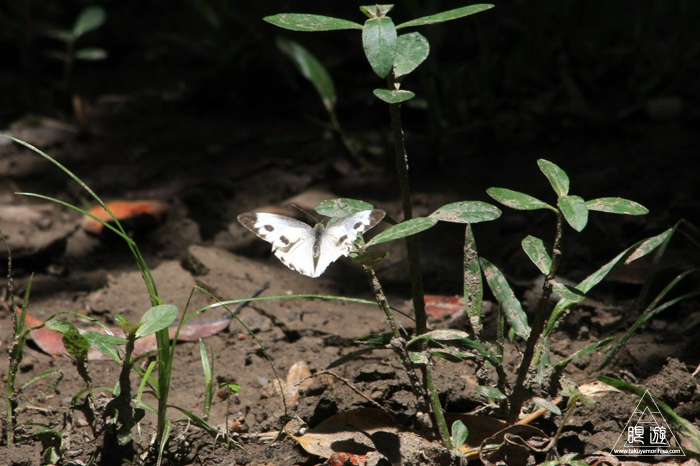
284	240
269	228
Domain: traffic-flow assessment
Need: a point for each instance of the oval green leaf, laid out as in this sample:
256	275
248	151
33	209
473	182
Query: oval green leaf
91	54
310	23
341	207
379	42
504	295
76	345
490	392
459	434
370	257
89	19
157	318
538	253
59	325
616	205
546	404
574	210
440	335
105	344
446	15
517	200
467	212
556	176
393	97
311	69
403	229
411	50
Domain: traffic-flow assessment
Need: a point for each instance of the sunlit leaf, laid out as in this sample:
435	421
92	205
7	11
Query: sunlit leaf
446	15
306	22
568	293
157	318
403	229
548	405
411	50
517	200
393	97
616	205
459	433
490	392
504	295
574	210
467	212
538	253
341	207
76	345
556	176
379	42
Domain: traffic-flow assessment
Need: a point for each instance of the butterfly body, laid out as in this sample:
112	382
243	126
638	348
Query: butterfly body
309	250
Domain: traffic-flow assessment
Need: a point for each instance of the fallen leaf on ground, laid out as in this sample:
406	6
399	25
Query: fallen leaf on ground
50	341
139	214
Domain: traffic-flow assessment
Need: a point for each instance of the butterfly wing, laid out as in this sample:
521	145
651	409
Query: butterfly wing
338	237
292	241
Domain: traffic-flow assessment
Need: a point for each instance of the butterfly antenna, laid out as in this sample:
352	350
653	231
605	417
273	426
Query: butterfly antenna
304	211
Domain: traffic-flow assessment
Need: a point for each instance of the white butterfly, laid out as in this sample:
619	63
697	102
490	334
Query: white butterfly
308	250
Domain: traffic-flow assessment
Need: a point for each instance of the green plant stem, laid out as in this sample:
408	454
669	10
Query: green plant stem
425	392
437	409
398	343
414	264
519	389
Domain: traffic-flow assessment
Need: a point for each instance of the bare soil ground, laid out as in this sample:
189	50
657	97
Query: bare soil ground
210	169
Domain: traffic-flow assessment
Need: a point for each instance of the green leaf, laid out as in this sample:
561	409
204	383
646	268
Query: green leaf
123	323
446	15
616	205
538	253
546	404
375	339
459	434
411	50
467	212
157	318
440	335
473	286
630	254
376	11
76	345
311	69
305	22
59	325
393	97
490	392
568	293
89	19
582	352
556	176
403	229
341	207
517	200
105	344
574	210
370	257
379	42
91	54
504	295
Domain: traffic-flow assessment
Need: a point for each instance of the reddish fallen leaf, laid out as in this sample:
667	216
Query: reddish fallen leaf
341	459
50	341
138	213
438	306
